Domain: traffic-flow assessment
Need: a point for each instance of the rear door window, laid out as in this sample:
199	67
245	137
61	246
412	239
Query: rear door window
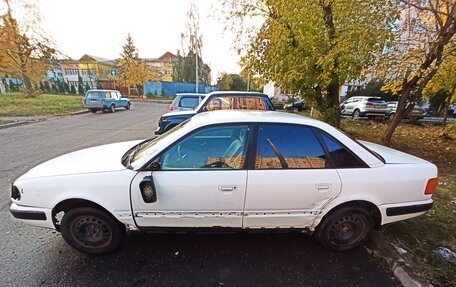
285	146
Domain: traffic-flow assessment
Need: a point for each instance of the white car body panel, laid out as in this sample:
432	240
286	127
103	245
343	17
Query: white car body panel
262	198
192	198
288	198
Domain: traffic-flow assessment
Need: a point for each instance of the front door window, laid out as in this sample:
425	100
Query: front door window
222	147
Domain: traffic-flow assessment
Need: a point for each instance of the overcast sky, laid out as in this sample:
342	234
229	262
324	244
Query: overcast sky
99	27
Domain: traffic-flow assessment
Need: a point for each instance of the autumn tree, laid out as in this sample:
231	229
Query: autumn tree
132	71
25	51
231	82
310	48
190	65
423	36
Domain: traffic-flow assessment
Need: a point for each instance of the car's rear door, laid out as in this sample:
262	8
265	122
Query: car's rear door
201	181
292	179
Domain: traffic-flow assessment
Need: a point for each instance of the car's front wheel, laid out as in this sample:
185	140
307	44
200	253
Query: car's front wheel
128	106
91	231
345	228
112	108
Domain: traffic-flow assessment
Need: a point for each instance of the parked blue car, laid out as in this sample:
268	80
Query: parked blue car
104	100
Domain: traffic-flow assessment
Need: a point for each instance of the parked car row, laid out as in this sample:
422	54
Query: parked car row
357	107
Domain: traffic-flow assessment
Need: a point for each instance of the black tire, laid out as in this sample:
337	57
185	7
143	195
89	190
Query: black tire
93	110
127	107
295	110
356	114
345	228
91	231
391	116
112	108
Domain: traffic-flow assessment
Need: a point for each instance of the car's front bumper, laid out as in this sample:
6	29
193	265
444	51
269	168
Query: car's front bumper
41	217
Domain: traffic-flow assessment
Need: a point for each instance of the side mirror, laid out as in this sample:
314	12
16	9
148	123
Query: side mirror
154	166
204	109
147	188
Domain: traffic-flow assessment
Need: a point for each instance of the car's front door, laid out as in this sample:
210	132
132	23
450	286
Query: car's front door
291	181
201	181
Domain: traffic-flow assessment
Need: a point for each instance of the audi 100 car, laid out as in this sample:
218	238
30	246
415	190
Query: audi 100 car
227	170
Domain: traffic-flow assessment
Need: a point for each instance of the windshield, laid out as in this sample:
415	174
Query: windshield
144	150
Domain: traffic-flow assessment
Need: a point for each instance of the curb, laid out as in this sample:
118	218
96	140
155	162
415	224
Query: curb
390	258
20	123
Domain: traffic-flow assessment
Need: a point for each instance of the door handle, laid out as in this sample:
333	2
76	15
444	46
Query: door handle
323	186
226	188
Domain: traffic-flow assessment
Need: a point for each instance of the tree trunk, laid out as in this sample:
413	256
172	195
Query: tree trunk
27	83
447	104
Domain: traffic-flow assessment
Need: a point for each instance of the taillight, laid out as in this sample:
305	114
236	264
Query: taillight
83	101
171	108
431	186
103	101
369	105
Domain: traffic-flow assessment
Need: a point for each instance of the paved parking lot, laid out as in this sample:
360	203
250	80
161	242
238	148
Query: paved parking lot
38	257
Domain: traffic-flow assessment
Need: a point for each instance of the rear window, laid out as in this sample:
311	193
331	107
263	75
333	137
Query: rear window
236	103
93	95
376	101
189	102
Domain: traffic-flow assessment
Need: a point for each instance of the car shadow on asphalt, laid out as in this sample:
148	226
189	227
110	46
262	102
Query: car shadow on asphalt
227	260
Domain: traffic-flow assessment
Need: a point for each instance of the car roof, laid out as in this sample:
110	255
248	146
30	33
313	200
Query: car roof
243	116
237	93
190	94
101	90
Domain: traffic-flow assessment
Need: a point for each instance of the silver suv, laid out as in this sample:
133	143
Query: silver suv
364	107
186	102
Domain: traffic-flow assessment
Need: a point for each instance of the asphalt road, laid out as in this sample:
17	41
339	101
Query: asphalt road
32	256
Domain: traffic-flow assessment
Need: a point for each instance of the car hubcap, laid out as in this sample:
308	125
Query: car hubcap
91	231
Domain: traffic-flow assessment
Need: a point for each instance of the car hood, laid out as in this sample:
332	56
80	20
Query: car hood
179	114
391	155
102	158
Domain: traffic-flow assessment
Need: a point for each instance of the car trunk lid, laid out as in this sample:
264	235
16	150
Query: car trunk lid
392	156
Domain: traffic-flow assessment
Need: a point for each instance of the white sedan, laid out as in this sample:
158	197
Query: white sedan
227	170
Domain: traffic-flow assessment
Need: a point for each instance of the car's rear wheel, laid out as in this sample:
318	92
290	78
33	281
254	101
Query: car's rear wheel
112	108
356	114
91	231
127	107
345	228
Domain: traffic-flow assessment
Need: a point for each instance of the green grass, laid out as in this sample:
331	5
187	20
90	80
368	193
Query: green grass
163	98
4	122
421	235
17	104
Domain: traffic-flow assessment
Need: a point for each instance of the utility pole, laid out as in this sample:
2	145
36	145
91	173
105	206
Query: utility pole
248	83
196	70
